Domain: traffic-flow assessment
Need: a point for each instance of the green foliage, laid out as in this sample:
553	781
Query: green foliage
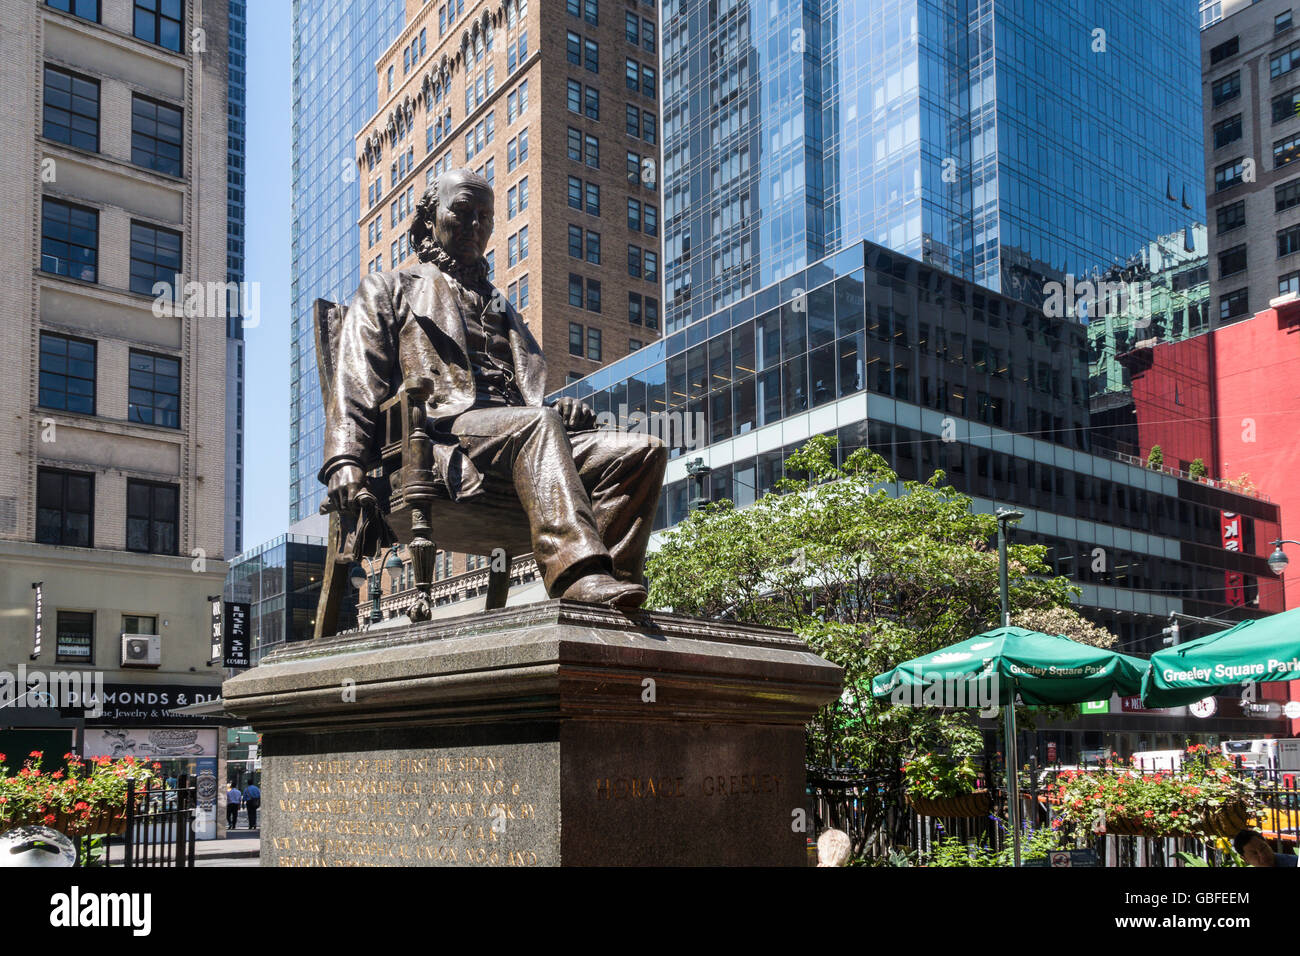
870	572
1197	468
933	777
1035	844
1156	458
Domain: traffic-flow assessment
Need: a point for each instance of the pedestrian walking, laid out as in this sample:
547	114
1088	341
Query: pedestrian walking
252	800
233	799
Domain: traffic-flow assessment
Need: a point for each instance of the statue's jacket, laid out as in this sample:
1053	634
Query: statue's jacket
411	324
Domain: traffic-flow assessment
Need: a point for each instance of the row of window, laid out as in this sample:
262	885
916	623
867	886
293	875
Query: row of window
72	114
160	22
75	633
70	247
65	512
68	373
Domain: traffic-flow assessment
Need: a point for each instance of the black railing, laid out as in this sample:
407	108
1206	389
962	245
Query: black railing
873	810
160	825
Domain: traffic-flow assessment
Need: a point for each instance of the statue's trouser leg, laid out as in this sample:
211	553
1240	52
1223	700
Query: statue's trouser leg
529	446
623	473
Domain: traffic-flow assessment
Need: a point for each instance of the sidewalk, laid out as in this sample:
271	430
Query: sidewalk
240	848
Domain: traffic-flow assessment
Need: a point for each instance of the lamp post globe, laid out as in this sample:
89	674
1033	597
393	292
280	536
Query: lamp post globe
1278	560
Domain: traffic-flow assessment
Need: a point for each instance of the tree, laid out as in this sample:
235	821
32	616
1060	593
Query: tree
869	577
1156	459
1197	468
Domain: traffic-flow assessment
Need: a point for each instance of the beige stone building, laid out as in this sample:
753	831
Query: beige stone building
557	104
112	446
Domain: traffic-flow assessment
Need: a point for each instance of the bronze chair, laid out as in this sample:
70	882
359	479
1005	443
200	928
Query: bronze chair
407	504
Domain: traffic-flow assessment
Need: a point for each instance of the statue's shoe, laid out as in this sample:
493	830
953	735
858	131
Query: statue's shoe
603	589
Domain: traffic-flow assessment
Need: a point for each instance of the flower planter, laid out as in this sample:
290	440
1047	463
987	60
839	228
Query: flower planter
106	820
975	804
1225	821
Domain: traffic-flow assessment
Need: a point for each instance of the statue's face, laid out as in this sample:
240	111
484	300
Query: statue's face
465	218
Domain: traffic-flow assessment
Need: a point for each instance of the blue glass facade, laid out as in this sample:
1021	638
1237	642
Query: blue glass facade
335	91
1007	143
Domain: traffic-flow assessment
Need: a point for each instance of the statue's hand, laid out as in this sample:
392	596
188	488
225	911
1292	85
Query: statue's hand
577	416
346	485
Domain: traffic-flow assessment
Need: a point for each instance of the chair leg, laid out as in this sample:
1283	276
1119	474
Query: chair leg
498	582
333	581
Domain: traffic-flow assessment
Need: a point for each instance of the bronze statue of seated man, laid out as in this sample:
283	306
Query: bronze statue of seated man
589	495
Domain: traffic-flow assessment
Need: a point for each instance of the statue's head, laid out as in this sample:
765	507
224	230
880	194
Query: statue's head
456	215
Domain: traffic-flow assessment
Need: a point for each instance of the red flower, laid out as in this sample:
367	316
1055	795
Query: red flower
81	805
35	753
1149	814
57	775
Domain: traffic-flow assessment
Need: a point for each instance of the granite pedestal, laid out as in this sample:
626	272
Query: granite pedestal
550	734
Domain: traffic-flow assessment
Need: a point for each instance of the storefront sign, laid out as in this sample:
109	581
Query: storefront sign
151	743
39	588
235	643
151	704
1234	582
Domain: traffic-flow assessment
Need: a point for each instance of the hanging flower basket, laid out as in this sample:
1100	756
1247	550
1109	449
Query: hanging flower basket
976	804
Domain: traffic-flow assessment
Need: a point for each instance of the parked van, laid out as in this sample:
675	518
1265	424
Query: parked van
1252	754
1149	761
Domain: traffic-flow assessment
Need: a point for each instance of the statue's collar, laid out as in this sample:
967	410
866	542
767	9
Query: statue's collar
472	275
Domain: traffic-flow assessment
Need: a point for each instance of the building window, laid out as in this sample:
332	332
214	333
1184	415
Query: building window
1288	241
1282	22
1231	216
593	199
574	99
1227	131
1288	283
1228	175
648	127
139	624
651	313
650	220
75	637
523	291
1286	151
591	55
575	192
634	215
155	258
574	140
154	390
593	344
1286	196
1280	64
573	47
1286	105
632	28
634	345
575	330
634	261
1225	89
71	109
1232	261
156	136
634	308
69	240
67	380
593	295
651	262
151	517
86	9
1224	50
593	247
65	507
160	22
1233	305
575	242
591	102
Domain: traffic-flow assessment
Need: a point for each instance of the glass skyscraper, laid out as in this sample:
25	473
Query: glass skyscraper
1010	143
335	91
235	154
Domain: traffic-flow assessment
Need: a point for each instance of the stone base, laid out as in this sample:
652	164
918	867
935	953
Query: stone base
550	734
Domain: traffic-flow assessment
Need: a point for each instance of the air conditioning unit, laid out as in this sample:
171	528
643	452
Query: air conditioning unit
141	650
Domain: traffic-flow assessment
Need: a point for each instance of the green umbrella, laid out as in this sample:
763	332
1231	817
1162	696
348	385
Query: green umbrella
992	668
1262	650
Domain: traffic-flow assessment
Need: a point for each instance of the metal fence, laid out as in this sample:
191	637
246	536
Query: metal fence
873	810
158	829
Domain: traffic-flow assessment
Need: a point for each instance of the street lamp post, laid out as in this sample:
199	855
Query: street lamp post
1005	516
1278	561
392	565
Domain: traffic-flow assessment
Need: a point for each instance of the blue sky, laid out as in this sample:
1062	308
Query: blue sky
266	364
